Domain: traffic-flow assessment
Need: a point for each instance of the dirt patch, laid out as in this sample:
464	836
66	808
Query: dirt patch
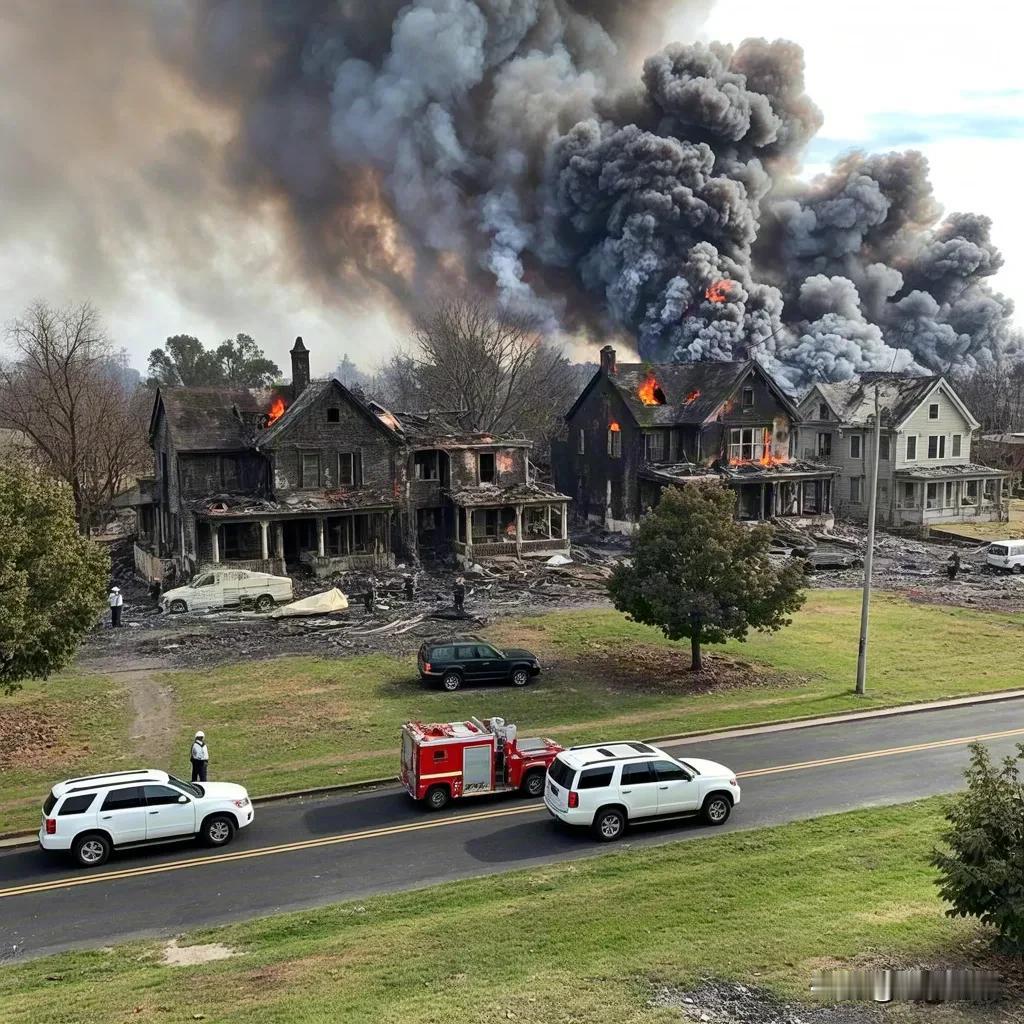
188	956
29	738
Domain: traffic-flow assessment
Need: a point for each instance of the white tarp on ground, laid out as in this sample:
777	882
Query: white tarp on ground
558	560
319	604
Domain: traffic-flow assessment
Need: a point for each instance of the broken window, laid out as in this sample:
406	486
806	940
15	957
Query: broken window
536	523
581	442
933	411
855	446
350	469
883	447
748	398
957	445
970	495
615	441
309	466
825	445
333	415
426	466
746	444
485	467
654	446
856	489
911	447
936	446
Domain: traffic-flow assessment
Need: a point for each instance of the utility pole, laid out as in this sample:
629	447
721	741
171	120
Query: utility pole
869	555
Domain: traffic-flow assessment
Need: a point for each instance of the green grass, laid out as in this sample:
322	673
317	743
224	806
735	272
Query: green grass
297	722
581	942
55	729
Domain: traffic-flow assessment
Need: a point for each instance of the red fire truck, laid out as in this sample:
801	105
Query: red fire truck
456	759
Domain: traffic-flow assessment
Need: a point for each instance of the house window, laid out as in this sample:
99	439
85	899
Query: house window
936	446
883	447
654	446
615	441
856	489
310	469
909	499
581	442
957	444
855	446
933	411
970	495
748	398
746	444
425	466
350	469
932	496
911	447
333	415
822	411
485	467
825	445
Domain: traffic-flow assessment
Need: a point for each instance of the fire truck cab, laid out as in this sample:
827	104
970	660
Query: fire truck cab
455	759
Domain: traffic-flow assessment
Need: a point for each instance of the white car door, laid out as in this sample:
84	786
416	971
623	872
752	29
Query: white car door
169	812
638	788
204	593
123	815
677	791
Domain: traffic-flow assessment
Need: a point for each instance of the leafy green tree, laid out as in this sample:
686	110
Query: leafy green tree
981	871
52	579
184	361
243	363
696	573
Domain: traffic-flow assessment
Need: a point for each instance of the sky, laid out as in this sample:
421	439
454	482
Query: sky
935	76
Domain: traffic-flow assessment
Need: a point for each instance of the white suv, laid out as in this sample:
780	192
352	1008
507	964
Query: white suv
605	786
95	814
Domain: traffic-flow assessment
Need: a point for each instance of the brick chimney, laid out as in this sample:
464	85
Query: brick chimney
608	360
300	368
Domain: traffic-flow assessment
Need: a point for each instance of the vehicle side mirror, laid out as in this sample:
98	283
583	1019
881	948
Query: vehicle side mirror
182	799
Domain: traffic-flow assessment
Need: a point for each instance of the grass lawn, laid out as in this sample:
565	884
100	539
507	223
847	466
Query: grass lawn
582	942
297	722
50	731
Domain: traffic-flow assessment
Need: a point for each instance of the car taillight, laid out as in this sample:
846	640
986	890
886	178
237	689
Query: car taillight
426	666
51	826
574	799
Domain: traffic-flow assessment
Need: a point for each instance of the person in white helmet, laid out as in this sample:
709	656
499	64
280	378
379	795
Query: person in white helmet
116	602
200	757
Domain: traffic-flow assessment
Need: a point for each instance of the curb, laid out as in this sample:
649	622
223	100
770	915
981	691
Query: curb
15	840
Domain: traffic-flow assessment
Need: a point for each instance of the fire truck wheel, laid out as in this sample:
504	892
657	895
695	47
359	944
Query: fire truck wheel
520	677
451	681
609	824
437	798
533	784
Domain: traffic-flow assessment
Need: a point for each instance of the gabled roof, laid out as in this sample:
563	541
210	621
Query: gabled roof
207	418
899	395
693	391
447	430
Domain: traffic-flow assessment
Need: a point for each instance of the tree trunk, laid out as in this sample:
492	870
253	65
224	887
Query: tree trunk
696	662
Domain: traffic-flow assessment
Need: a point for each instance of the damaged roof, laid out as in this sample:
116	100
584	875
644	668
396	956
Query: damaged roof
445	430
515	494
244	506
899	394
745	472
966	469
203	419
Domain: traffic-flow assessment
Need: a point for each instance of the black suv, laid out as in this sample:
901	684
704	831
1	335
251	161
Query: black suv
468	659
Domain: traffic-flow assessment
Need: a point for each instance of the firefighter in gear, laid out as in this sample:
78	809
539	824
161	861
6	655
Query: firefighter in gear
116	602
200	757
954	565
459	594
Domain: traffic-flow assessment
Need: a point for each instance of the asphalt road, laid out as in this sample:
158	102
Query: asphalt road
312	852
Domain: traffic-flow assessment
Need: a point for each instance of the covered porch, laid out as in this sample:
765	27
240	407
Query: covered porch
949	494
537	525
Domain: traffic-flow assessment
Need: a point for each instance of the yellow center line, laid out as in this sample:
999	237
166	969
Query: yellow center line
392	830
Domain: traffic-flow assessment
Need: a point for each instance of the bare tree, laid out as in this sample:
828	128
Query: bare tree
494	365
63	391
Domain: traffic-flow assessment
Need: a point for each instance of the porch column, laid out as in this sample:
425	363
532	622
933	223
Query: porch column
215	542
999	498
321	548
519	530
547	516
565	520
264	540
279	540
763	494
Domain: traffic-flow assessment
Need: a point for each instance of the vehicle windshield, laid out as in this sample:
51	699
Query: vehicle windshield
998	549
189	787
202	581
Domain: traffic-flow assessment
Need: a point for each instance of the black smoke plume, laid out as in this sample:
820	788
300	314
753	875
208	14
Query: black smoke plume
526	148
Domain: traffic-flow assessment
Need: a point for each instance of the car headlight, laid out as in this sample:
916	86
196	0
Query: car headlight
241	803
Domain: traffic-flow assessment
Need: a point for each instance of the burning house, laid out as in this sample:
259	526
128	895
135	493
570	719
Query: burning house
637	428
313	473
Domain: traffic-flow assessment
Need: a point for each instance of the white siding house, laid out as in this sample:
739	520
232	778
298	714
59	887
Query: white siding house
925	472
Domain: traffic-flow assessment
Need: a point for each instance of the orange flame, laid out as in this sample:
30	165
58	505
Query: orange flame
650	391
276	410
614	427
767	457
719	291
692	397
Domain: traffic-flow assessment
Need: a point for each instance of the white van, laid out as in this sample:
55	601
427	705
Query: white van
1006	555
228	588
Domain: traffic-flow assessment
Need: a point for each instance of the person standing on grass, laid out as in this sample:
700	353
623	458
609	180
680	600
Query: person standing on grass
116	602
200	757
